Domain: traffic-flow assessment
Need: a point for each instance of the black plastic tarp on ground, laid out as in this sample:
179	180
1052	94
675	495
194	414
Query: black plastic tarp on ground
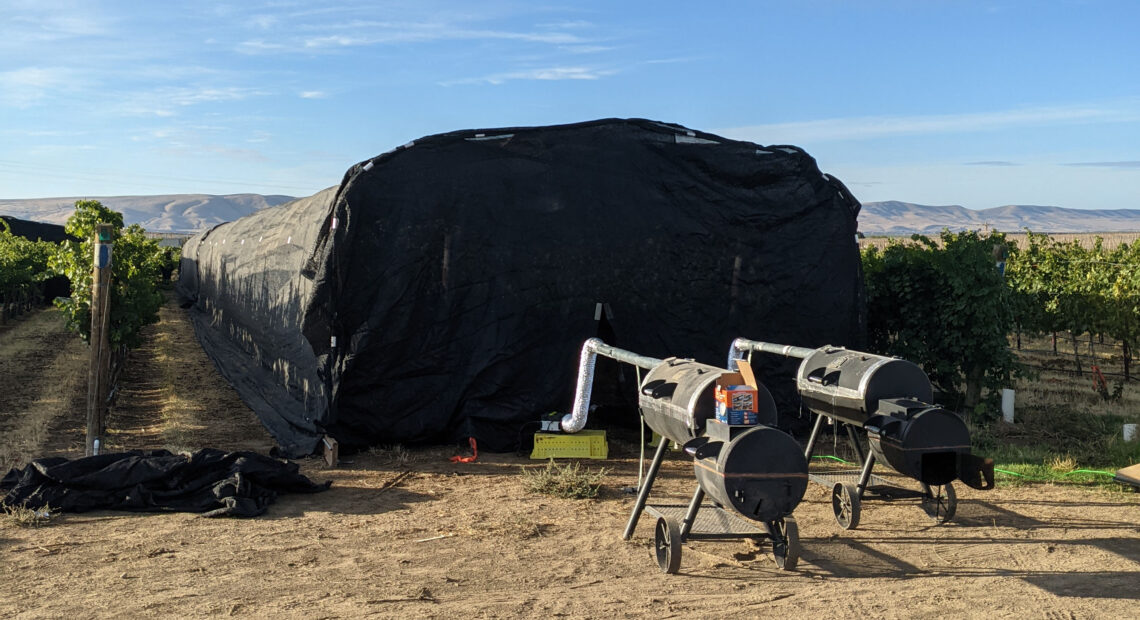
453	280
216	483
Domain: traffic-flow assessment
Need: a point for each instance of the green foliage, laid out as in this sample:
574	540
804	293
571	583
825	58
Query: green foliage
23	265
568	481
136	264
1064	286
944	306
1057	445
171	257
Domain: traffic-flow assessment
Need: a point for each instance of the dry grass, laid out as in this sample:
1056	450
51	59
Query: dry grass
20	516
1054	380
173	398
567	481
394	455
1063	463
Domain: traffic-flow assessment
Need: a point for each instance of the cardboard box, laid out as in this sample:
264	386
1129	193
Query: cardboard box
736	396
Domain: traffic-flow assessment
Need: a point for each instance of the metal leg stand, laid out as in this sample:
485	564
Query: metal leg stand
865	475
691	515
814	435
643	494
855	442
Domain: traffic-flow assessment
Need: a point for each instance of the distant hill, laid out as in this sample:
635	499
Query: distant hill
903	218
183	213
169	213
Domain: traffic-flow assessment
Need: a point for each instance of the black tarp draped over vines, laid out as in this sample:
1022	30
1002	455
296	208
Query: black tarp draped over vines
443	289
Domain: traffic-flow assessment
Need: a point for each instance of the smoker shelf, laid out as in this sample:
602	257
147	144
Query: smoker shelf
877	485
712	522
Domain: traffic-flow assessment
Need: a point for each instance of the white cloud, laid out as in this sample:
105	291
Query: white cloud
23	87
381	33
577	24
312	94
587	49
549	73
263	22
258	46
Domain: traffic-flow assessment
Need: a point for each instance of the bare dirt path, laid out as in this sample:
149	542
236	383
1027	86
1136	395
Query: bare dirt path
409	534
171	396
43	383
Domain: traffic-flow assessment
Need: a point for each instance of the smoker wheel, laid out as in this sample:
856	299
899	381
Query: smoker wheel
785	542
667	545
940	502
846	505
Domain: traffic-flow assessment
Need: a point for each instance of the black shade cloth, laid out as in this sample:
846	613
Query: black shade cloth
444	289
40	231
213	482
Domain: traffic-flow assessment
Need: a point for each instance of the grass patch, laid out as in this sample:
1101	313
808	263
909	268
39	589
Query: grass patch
1057	445
396	454
568	481
20	516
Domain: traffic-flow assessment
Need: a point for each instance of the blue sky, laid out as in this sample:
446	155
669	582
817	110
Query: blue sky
980	104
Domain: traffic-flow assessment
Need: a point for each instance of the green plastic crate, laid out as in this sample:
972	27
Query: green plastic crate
580	445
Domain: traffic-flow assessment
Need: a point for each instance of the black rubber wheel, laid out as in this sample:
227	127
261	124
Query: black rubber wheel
940	502
785	542
667	545
846	505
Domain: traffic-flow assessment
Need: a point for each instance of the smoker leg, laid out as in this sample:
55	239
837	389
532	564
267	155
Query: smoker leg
855	442
814	435
691	515
865	475
646	486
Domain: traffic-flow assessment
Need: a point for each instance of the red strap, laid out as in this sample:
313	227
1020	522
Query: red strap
1098	378
468	459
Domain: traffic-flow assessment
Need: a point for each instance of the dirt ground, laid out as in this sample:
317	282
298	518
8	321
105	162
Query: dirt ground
406	533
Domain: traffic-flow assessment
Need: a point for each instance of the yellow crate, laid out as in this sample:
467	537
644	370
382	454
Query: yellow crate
580	445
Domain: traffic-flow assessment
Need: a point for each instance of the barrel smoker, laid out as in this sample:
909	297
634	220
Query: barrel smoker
755	475
889	399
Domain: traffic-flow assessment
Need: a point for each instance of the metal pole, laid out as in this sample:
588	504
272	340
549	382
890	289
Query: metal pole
643	495
865	475
744	344
814	436
691	513
99	367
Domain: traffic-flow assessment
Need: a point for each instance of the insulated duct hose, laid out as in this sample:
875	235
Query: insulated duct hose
591	349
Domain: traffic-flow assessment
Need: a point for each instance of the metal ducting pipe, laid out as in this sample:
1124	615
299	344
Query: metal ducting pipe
743	346
576	419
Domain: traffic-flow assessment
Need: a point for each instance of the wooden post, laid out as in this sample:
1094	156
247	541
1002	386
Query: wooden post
99	368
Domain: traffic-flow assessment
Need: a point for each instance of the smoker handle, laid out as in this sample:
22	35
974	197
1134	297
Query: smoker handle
976	472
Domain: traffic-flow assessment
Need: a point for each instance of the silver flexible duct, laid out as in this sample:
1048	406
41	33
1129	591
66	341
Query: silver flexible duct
740	346
576	419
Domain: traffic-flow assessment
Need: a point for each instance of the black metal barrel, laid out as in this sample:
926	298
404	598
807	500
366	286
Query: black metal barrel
760	472
848	385
892	399
923	441
677	399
